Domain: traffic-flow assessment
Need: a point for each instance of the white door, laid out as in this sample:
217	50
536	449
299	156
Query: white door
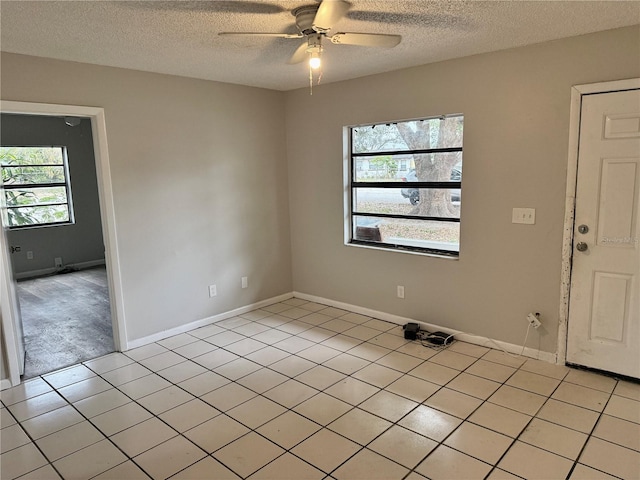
10	309
604	306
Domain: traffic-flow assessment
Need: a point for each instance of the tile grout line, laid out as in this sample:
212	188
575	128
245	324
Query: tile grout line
441	442
317	363
222	412
88	419
291	409
590	434
515	439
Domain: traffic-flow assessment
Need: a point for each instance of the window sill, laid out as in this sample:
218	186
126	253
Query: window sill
39	225
423	253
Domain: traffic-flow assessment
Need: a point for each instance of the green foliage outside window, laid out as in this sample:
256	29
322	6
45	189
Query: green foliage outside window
35	185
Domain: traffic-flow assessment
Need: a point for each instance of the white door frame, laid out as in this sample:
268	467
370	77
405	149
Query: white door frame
107	212
577	93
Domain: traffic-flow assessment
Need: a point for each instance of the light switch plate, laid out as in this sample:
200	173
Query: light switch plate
524	215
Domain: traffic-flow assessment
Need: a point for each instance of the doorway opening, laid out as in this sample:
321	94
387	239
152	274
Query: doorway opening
53	227
12	334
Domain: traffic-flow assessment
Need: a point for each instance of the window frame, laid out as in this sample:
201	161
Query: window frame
352	185
22	186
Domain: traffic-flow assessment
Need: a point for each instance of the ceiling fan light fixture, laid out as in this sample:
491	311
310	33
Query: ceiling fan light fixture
314	59
314	49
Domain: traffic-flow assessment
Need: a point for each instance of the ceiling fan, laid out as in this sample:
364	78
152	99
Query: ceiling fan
314	23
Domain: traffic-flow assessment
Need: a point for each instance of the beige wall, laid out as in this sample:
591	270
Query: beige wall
516	108
203	193
199	180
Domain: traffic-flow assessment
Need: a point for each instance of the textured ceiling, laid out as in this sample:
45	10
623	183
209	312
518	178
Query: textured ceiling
181	37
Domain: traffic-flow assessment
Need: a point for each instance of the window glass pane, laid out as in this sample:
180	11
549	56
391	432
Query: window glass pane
405	168
408	232
431	167
378	138
36	196
382	168
25	172
31	155
440	132
435	167
428	202
36	215
32	175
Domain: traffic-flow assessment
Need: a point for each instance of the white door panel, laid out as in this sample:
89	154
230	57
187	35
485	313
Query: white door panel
604	308
10	309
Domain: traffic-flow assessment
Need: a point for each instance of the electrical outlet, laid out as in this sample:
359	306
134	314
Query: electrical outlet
245	282
400	291
58	262
29	255
213	291
534	320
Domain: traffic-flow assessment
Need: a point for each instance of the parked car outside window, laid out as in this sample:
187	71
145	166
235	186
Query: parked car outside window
413	194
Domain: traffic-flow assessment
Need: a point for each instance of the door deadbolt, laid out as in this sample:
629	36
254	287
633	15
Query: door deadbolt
583	229
582	247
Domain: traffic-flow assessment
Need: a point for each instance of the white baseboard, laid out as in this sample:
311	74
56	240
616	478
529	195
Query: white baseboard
139	342
397	319
465	337
5	383
49	271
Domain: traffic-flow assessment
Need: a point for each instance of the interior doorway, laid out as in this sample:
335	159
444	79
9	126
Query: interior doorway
12	337
53	227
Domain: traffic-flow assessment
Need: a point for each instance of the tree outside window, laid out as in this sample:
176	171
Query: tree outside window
36	186
412	199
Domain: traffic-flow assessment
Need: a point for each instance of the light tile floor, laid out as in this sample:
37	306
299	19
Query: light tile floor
298	390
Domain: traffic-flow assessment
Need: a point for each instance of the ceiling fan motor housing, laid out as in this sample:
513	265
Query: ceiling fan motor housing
304	18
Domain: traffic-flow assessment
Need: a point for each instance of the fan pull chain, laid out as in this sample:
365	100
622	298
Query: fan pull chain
311	80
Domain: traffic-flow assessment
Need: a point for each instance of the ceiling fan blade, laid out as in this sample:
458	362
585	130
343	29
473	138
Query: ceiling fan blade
263	34
433	20
300	55
366	39
329	12
222	6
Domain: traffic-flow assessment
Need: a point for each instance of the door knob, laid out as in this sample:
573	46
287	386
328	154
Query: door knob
583	229
582	247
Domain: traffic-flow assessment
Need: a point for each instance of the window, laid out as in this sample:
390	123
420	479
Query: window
415	209
36	186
